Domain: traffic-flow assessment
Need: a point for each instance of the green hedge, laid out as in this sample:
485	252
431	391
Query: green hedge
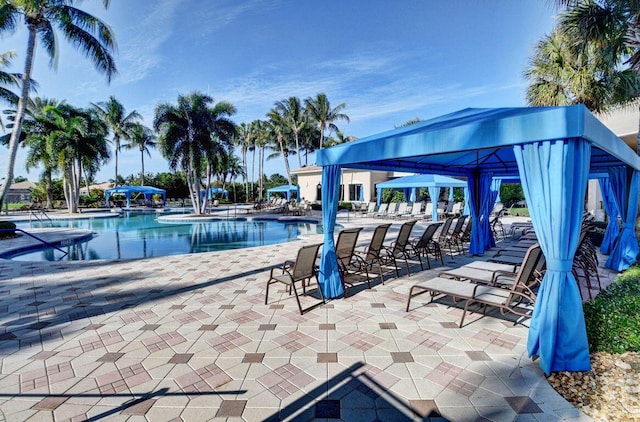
7	225
613	317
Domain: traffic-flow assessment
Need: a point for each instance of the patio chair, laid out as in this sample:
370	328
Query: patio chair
368	212
425	245
444	232
415	212
456	210
400	248
353	268
517	298
428	211
454	238
391	210
372	255
299	271
400	211
345	247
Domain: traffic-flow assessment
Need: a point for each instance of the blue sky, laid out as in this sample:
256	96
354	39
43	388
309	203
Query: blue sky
389	61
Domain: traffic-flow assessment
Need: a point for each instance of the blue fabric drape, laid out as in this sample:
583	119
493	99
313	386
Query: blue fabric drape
361	196
625	249
414	195
407	194
465	210
450	199
329	274
434	193
477	244
554	177
379	196
613	228
487	199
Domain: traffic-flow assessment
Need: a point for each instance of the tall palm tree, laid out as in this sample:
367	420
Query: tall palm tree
186	136
293	115
120	123
340	139
259	141
142	138
560	74
613	26
244	141
278	130
8	79
319	110
87	33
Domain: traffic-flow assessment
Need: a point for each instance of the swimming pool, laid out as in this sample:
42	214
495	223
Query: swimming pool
134	236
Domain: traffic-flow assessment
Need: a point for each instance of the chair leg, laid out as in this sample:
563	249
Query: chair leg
293	286
266	296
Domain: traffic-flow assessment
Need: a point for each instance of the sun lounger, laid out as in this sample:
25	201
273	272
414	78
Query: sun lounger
517	298
372	256
425	245
400	248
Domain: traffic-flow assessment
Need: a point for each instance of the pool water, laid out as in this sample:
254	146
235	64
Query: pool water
133	236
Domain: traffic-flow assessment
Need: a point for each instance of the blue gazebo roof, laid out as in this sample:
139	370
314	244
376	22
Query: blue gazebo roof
423	181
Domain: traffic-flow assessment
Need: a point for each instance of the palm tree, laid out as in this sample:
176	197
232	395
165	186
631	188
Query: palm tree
293	115
186	136
277	128
559	74
244	141
320	111
87	33
258	134
120	123
612	26
340	139
8	79
142	138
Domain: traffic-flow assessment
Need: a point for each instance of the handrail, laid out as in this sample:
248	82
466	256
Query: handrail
51	245
41	211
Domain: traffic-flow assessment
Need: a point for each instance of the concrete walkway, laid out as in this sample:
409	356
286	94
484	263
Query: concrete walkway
189	338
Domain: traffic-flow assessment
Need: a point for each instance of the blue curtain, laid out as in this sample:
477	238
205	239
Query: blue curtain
329	274
434	193
625	249
407	194
361	196
466	211
489	189
450	194
613	228
477	243
414	195
554	177
379	197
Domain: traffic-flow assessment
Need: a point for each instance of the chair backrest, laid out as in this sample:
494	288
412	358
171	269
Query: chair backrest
445	228
383	208
427	236
403	236
402	208
373	251
417	207
372	207
305	265
526	274
449	207
457	229
392	208
346	245
457	208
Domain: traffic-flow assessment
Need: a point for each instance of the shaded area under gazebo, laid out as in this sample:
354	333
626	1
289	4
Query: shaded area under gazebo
553	151
127	191
287	190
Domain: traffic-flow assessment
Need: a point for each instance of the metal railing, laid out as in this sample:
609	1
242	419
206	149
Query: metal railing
38	214
44	242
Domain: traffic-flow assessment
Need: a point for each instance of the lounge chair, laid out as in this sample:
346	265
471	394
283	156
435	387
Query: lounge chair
454	238
425	245
301	270
400	248
428	211
382	210
444	233
372	255
400	211
345	249
456	210
522	291
391	210
370	209
416	211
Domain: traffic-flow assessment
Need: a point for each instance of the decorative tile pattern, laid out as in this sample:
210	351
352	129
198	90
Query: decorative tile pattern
429	339
231	409
456	379
122	380
228	341
523	404
361	340
294	341
285	380
100	341
204	379
163	341
504	340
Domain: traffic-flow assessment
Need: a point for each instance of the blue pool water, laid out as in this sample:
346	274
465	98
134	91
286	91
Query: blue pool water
142	236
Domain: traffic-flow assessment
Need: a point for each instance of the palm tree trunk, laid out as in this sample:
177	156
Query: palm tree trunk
22	106
295	134
244	176
321	135
285	157
86	182
142	159
116	142
253	170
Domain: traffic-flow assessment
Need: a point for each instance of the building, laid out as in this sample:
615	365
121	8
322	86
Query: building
20	192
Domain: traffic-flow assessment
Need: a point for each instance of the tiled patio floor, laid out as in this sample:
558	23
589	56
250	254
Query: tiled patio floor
189	338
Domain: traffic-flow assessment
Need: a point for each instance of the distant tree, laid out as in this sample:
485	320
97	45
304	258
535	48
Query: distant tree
86	32
120	123
320	111
8	80
19	179
278	131
141	138
243	140
293	116
339	139
409	122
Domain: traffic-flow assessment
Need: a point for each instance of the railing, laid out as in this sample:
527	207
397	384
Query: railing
44	242
33	213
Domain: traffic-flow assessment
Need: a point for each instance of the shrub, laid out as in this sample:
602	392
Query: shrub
613	317
7	225
344	206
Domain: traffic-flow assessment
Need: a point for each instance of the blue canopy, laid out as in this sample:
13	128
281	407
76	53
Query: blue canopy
287	190
416	181
128	190
552	150
215	191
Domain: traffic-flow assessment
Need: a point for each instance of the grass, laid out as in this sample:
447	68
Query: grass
519	212
613	317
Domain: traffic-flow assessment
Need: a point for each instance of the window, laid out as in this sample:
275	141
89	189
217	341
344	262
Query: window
355	192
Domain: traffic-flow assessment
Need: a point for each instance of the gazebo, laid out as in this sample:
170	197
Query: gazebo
215	191
553	151
287	190
128	190
433	182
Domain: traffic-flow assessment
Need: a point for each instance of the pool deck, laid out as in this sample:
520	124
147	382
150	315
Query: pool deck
189	338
